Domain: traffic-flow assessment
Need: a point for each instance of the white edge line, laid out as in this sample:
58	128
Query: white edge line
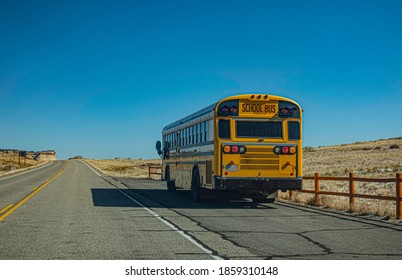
96	172
25	172
172	226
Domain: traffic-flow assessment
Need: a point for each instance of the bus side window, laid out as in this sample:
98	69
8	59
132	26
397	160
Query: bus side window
202	132
206	131
198	133
224	129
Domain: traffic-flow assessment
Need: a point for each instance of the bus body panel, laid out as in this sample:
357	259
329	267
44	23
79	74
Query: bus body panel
194	143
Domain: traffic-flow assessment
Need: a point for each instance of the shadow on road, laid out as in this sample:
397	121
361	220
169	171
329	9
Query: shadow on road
110	198
163	199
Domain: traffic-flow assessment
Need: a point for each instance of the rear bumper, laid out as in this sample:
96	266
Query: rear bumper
257	184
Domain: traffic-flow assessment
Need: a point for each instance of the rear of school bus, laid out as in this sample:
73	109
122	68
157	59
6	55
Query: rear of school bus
258	145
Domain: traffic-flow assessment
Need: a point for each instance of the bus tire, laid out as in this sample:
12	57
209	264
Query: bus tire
171	186
195	185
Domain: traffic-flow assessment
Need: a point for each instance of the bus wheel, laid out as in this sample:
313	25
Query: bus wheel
195	185
171	186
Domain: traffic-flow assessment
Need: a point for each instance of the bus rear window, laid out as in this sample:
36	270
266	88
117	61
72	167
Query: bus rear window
294	130
254	129
224	129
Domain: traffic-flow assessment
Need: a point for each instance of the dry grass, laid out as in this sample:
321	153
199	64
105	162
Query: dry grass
9	163
135	168
375	159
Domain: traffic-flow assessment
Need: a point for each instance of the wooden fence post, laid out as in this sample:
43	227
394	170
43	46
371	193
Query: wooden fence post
398	196
351	190
317	188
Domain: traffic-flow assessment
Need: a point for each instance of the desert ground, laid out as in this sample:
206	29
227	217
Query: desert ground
374	159
133	168
11	163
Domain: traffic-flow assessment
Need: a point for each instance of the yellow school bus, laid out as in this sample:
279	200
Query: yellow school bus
248	144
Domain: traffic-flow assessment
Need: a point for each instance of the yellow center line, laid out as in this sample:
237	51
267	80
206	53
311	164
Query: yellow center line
11	208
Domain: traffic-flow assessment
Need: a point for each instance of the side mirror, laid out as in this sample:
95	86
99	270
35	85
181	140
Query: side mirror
158	147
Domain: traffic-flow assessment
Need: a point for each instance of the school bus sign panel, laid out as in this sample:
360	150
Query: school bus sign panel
251	109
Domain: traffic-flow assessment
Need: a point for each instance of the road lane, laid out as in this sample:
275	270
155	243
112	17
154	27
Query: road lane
81	216
15	188
245	230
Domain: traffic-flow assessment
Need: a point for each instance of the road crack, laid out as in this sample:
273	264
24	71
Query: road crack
143	197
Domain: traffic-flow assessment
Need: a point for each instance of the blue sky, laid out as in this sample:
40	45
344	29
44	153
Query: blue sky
101	78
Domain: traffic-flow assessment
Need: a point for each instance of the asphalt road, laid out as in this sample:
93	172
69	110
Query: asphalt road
66	211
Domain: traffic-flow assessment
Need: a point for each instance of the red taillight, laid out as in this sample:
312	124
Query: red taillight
235	149
285	150
233	109
288	110
225	109
292	111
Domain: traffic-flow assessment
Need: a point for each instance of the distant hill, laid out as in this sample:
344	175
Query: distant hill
380	158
